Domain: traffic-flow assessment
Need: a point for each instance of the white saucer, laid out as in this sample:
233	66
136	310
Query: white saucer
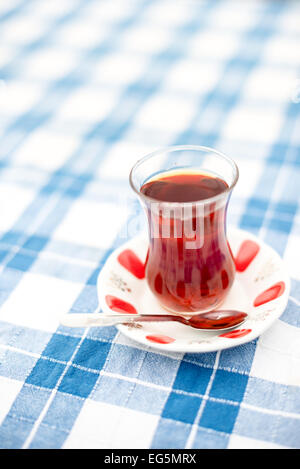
259	269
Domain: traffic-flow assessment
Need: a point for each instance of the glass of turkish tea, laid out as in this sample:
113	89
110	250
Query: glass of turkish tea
185	192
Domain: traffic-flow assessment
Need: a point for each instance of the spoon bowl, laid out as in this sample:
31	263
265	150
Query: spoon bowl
209	321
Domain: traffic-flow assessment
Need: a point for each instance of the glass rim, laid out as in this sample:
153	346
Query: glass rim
184	147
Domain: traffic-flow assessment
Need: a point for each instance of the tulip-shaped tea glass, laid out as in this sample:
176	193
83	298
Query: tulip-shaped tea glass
185	192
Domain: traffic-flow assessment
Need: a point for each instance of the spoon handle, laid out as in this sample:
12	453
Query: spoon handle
102	320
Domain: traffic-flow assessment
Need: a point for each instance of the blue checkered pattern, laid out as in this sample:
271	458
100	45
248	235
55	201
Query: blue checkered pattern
87	87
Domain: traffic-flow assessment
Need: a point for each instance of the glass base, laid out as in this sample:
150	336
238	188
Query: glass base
193	313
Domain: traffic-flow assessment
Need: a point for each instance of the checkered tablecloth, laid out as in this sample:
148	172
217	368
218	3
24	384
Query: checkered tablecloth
87	87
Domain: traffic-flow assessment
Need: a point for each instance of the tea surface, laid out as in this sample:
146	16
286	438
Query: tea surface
184	187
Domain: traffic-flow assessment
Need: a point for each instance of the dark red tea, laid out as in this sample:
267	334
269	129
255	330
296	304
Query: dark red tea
185	278
184	187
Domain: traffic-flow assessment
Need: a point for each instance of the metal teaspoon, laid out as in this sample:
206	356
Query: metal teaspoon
209	321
